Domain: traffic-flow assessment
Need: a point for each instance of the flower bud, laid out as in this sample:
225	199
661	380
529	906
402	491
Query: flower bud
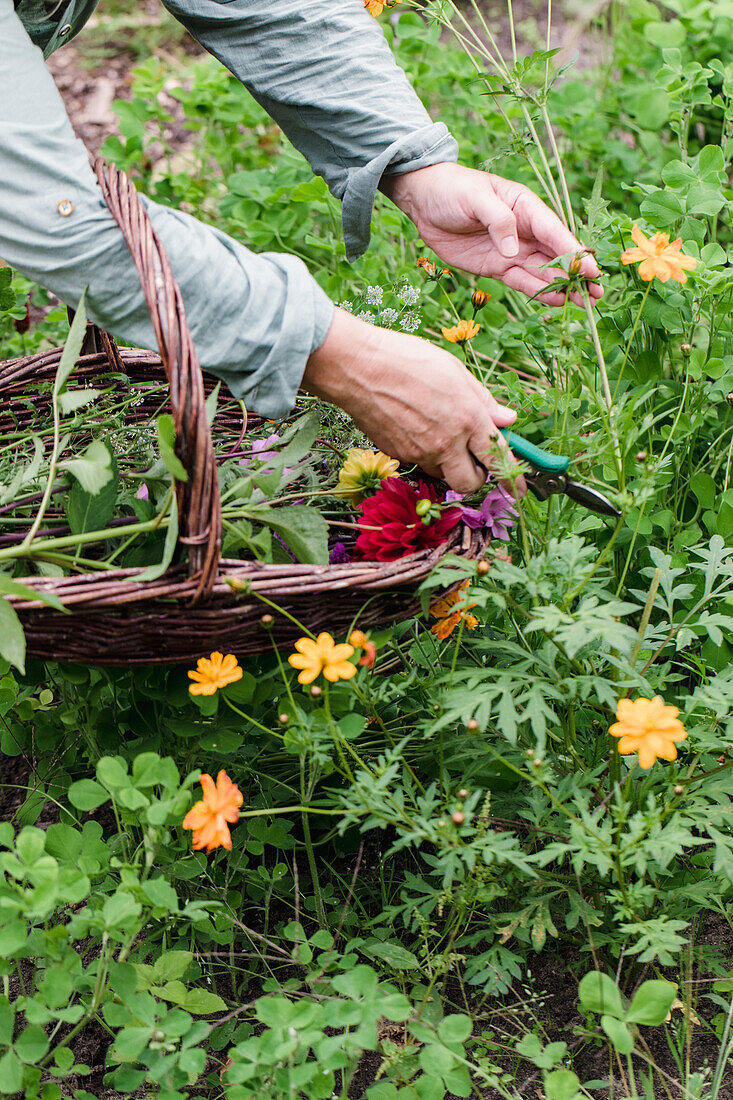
458	818
641	456
479	298
441	822
472	724
358	639
436	708
463	793
679	789
729	398
529	753
685	348
423	506
574	266
266	621
482	568
283	718
316	692
537	762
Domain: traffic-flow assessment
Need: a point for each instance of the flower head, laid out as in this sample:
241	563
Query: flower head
393	521
450	609
461	332
376	7
432	270
339	555
359	640
657	257
497	512
363	472
322	656
648	727
213	673
479	298
208	818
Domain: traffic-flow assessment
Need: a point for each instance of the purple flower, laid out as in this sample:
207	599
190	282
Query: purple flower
339	555
497	512
142	493
260	451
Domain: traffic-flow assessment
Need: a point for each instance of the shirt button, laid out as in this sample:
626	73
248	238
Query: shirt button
64	30
65	208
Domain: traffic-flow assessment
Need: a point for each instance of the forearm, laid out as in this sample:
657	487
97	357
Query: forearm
254	319
324	71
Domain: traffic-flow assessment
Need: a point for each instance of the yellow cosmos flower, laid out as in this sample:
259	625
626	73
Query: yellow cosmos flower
449	610
657	257
461	332
363	472
322	656
213	673
648	727
209	818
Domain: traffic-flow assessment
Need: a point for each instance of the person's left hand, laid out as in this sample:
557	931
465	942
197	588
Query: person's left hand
490	226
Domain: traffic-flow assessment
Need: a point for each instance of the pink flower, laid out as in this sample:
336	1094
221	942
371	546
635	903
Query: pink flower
142	493
497	512
392	527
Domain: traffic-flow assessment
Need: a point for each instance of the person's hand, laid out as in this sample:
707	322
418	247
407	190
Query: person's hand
489	226
415	401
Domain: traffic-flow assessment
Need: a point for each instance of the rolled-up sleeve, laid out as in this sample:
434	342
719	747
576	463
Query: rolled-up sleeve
255	319
323	70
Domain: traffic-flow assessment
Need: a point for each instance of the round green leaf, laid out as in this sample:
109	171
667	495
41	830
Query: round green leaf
87	795
11	1073
31	1044
455	1029
651	1003
599	993
618	1033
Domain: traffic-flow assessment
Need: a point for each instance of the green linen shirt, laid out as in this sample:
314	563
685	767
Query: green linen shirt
321	68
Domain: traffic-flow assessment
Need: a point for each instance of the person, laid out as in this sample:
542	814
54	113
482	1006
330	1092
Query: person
324	72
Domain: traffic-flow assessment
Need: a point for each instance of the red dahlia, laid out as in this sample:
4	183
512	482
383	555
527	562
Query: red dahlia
391	526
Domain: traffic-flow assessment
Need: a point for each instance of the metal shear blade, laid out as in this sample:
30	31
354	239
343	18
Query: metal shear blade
545	484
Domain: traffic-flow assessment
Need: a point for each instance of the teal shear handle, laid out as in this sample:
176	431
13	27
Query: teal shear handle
535	456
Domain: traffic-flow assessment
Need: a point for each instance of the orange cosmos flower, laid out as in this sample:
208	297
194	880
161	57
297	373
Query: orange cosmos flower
461	332
213	673
322	656
376	7
648	727
657	257
359	640
208	818
449	615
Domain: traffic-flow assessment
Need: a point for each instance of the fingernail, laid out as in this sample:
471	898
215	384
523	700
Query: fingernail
509	246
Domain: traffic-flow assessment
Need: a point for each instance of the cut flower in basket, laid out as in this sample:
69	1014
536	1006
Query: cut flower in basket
210	818
400	520
363	472
496	513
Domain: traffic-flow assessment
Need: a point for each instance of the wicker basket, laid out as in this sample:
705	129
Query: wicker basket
208	603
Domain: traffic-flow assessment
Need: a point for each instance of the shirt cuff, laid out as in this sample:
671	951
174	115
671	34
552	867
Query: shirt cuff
432	144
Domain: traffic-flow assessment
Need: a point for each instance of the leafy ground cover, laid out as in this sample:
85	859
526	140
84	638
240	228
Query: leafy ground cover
486	852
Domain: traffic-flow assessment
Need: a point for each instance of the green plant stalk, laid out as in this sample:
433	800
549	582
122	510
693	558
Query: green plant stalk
646	615
320	907
633	333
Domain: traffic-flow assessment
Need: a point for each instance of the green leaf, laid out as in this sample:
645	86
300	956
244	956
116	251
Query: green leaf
161	894
112	773
648	106
92	511
71	400
211	403
300	438
11	1073
651	1003
166	446
12	637
12	938
303	529
599	993
561	1084
169	546
10	587
665	35
87	795
618	1033
7	294
31	1044
201	1002
72	348
455	1029
94	469
394	954
172	964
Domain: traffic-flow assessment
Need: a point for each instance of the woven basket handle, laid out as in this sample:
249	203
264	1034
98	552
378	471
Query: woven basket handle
199	506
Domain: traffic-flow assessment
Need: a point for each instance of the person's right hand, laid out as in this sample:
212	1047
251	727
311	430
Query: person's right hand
416	402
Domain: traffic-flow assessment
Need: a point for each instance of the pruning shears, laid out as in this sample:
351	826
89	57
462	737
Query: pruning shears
548	474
